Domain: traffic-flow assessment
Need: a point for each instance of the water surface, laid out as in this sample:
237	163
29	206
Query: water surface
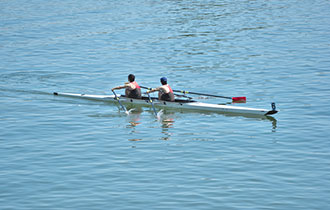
65	153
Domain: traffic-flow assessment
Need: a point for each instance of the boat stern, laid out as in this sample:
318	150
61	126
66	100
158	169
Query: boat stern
273	111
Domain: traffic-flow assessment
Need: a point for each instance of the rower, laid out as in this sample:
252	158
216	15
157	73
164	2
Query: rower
132	89
165	91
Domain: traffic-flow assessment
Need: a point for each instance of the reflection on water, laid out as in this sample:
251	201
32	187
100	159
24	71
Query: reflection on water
166	126
274	122
134	118
167	122
168	118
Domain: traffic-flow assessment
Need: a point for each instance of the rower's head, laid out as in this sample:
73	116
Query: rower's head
131	78
163	80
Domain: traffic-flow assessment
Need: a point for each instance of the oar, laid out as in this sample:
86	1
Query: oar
145	87
235	99
122	106
152	104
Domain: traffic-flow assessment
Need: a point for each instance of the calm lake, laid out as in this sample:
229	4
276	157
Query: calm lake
68	153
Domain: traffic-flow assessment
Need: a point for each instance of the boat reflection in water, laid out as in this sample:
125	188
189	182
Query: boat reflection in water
167	119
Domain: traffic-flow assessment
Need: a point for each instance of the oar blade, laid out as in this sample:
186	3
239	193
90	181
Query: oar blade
239	99
159	114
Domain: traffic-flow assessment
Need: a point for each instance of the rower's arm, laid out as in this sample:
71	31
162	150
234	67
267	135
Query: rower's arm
121	87
153	90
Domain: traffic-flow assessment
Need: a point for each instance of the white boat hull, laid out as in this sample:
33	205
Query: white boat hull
180	104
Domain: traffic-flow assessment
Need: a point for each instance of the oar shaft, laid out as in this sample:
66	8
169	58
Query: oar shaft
145	87
203	94
122	106
152	104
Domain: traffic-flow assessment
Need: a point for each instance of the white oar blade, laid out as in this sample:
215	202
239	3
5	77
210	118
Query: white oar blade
160	114
129	111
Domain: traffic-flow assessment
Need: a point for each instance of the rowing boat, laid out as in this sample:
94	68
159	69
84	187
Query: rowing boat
177	104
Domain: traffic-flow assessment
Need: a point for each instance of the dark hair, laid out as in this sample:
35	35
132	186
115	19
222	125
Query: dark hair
131	77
